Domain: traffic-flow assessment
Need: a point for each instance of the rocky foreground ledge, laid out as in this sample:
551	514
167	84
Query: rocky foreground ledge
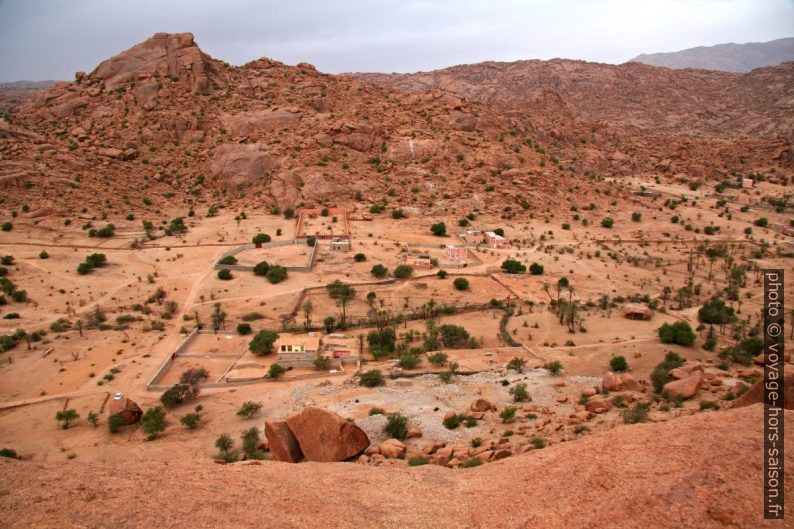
701	471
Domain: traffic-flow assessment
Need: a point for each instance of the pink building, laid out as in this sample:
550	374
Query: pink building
496	241
456	253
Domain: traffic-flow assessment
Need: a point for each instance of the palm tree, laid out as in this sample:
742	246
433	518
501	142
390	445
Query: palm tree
307	312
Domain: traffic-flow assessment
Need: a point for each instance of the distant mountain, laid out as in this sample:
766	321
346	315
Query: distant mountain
725	57
17	92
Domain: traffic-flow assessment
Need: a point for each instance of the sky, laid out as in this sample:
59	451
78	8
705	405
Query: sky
52	39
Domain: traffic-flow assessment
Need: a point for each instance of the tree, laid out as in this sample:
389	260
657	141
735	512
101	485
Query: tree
276	274
250	440
763	222
275	371
716	312
607	222
249	409
511	266
228	260
322	363
244	328
536	269
439	229
371	378
403	271
193	376
618	363
177	394
461	283
93	418
153	422
224	443
379	271
328	323
396	426
359	257
261	268
442	274
224	274
679	333
345	294
262	343
261	238
307	308
65	417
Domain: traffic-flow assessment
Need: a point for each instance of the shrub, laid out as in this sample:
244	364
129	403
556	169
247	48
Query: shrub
715	311
607	222
191	420
403	271
371	378
261	238
7	226
461	283
115	422
396	426
418	461
520	393
244	328
359	257
9	453
249	409
636	216
452	422
442	274
507	414
322	363
517	364
379	271
511	266
262	268
439	229
262	343
276	274
536	269
251	442
438	359
678	333
743	352
538	442
275	371
228	260
397	214
224	274
44	255
177	394
409	361
554	367
661	373
618	363
471	462
763	222
636	414
153	422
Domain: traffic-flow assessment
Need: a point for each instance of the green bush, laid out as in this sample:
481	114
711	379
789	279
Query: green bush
262	268
517	364
538	442
439	229
371	378
607	222
249	409
471	462
554	367
396	426
511	266
244	328
418	461
228	260
438	359
275	371
261	238
451	423
359	257
678	333
153	422
224	274
409	361
536	269
520	393
403	271
115	422
177	394
461	283
379	271
638	413
618	363
507	414
276	274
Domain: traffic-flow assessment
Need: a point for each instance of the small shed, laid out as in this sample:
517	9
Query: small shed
636	311
340	245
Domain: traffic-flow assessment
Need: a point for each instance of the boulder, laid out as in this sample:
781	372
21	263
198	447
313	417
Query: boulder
611	382
413	433
755	394
282	443
631	383
686	370
126	408
598	404
481	405
324	436
450	414
684	387
392	448
501	454
255	121
589	392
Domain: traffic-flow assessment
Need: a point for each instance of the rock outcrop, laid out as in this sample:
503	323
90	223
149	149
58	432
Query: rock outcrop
324	436
234	165
282	442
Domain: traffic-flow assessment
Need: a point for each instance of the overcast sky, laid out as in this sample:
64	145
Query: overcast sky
51	39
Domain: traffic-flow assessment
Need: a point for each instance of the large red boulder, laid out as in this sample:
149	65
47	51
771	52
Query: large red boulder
283	445
126	408
325	436
756	393
686	387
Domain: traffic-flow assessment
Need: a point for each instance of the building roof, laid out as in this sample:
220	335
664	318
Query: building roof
309	343
493	235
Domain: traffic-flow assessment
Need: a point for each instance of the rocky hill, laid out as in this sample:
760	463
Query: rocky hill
16	93
726	57
702	471
164	126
